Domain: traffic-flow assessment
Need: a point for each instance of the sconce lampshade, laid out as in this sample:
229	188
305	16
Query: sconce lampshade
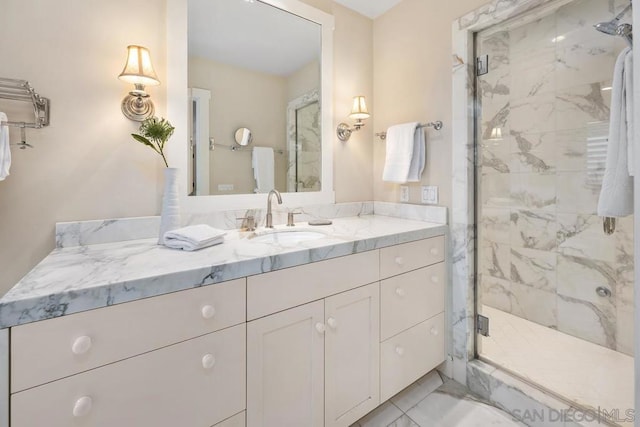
138	69
359	110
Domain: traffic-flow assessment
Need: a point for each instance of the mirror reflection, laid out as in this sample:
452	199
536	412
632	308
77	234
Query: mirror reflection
254	84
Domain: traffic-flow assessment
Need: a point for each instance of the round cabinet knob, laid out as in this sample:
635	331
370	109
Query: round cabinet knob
434	251
208	360
400	351
208	311
82	406
320	327
435	279
399	260
400	292
434	331
333	323
81	345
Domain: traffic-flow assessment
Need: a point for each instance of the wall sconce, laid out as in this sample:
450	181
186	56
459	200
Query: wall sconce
138	70
359	112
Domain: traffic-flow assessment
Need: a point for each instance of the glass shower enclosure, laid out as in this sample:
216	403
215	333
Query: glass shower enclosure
557	290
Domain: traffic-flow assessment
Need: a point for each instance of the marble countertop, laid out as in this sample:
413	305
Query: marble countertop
75	279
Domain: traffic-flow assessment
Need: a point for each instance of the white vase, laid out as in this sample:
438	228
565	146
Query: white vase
170	215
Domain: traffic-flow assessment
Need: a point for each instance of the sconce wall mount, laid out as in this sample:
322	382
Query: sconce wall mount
359	112
137	105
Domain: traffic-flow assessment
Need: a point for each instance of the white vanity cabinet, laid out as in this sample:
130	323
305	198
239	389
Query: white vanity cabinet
316	364
315	345
412	340
176	359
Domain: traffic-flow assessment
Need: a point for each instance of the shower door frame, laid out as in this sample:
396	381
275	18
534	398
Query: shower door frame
463	210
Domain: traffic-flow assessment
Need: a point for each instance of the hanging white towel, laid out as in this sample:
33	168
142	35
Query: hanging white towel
263	169
628	81
5	149
616	196
193	237
405	158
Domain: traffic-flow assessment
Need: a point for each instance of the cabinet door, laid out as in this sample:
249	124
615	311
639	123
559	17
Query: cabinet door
352	355
285	368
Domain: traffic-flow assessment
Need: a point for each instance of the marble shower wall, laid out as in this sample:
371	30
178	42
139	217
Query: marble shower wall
544	124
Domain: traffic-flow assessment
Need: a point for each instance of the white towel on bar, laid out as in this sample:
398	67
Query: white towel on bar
263	169
616	195
5	149
405	158
628	81
193	237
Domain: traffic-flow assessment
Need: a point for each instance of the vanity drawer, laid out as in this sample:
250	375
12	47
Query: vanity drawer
411	354
411	298
46	351
279	290
409	256
196	383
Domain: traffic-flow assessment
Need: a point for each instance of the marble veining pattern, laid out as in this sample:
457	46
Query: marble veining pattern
569	142
83	233
81	278
544	110
430	402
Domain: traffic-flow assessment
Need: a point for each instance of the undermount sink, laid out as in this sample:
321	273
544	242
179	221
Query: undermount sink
287	236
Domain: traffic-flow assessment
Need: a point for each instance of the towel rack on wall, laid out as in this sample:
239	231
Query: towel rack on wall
437	125
213	144
21	90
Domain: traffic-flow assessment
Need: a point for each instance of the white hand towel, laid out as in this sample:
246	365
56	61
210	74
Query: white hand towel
616	195
628	81
5	149
405	158
263	169
193	237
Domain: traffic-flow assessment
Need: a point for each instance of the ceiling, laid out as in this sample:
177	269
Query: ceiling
369	8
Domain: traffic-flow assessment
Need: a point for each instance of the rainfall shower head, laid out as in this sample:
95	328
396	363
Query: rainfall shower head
611	27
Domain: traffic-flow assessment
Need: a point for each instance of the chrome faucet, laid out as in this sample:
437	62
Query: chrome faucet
269	215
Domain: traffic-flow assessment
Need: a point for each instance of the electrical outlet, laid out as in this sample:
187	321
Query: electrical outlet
404	193
430	195
225	187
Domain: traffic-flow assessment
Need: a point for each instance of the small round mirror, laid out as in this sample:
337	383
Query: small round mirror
243	136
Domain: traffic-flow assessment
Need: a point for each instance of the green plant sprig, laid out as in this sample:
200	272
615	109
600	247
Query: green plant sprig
154	133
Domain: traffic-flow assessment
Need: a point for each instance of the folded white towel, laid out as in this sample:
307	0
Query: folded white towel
263	169
193	237
5	149
405	158
616	195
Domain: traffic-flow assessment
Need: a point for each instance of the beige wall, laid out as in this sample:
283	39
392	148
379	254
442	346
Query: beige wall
85	165
353	62
303	80
242	98
412	82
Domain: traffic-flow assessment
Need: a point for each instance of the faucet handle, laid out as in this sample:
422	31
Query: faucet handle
290	215
248	223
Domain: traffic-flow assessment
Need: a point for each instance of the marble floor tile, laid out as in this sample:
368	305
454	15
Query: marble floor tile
410	396
589	374
451	405
403	421
384	415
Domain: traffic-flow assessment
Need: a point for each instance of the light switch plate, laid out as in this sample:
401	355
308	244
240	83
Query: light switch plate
430	194
404	193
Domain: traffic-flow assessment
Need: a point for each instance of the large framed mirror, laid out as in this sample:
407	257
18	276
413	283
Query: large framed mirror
264	67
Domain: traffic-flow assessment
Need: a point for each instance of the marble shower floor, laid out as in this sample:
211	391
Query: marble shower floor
431	403
583	372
